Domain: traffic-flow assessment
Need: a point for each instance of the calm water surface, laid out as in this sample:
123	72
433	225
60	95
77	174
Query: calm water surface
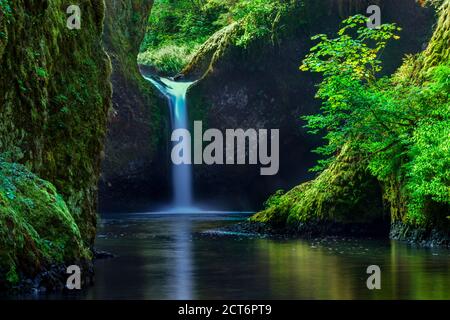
162	256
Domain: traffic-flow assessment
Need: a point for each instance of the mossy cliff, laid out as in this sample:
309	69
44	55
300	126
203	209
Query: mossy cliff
436	227
136	121
259	86
438	49
55	95
345	191
54	99
37	230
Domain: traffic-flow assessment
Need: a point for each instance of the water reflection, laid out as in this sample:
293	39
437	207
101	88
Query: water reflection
183	260
165	257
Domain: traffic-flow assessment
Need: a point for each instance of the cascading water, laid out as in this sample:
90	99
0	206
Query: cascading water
181	174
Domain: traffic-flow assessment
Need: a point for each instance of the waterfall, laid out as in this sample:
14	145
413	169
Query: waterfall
181	174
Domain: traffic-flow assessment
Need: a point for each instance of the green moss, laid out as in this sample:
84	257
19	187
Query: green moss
438	50
416	68
54	99
5	8
212	50
36	227
399	192
344	192
41	72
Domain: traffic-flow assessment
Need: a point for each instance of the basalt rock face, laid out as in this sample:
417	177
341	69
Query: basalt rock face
260	86
54	99
136	124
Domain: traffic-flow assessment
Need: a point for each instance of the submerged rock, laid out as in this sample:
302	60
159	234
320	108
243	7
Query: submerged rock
426	237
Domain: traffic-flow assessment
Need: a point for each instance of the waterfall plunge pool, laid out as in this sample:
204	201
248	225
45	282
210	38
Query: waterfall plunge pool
164	256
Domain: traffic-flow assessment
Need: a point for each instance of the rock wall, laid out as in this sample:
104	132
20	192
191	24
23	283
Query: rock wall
261	87
54	98
55	95
137	121
343	193
328	199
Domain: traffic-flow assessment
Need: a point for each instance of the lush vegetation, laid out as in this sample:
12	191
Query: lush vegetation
178	28
396	128
5	7
36	228
403	129
54	101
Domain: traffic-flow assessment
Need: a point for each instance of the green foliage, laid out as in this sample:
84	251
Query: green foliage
259	18
354	54
347	63
178	28
41	72
400	128
5	8
182	22
428	172
274	199
168	59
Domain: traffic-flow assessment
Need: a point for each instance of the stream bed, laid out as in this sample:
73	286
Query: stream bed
164	256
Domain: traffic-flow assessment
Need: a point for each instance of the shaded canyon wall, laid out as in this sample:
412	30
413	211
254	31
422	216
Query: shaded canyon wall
135	166
261	87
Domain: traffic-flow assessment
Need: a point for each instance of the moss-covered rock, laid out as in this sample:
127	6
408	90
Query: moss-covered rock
212	51
438	50
415	70
37	229
54	98
343	193
416	67
346	192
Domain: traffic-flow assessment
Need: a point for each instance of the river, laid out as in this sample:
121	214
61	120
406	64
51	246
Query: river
168	256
